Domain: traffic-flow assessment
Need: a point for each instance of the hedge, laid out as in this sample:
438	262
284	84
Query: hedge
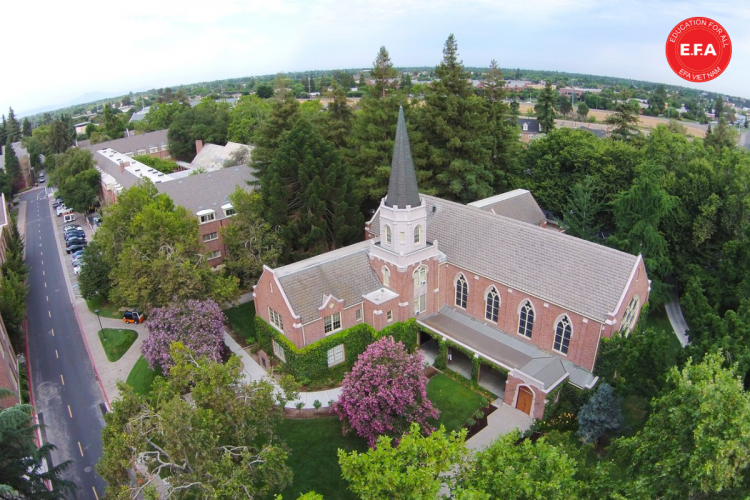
311	362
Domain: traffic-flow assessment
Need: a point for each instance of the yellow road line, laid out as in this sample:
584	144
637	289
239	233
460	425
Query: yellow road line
79	448
63	383
70	411
97	496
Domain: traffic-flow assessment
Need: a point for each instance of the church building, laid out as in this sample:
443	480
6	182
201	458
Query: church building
489	277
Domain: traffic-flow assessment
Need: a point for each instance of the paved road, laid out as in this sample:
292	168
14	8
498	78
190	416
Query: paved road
64	386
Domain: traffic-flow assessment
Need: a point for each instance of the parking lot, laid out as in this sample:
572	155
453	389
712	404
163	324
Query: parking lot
68	258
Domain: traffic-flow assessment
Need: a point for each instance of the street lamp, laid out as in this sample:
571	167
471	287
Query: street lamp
101	328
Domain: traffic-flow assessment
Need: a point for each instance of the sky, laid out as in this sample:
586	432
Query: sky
64	50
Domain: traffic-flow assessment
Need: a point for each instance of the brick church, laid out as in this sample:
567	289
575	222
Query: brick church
489	277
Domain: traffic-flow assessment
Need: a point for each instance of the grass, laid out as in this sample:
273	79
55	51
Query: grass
141	376
116	341
456	402
242	320
313	458
106	309
658	320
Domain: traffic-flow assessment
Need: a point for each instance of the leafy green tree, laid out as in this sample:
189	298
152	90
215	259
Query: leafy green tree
723	136
307	194
337	124
264	91
251	241
61	136
416	468
580	217
246	118
26	132
284	114
13	292
582	111
453	126
12	128
525	470
94	279
6	185
218	443
657	100
81	191
113	126
545	108
24	472
35	147
501	126
162	115
695	441
12	165
208	121
624	122
599	415
719	108
564	106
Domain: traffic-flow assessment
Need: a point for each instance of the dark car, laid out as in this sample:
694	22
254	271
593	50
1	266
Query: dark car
76	247
75	234
75	241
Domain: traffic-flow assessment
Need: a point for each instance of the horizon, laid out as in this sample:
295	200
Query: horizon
165	45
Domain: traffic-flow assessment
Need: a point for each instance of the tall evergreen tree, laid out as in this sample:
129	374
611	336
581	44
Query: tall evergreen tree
26	128
284	114
13	128
581	212
453	126
3	131
545	108
12	165
624	122
59	138
307	194
337	124
723	136
502	127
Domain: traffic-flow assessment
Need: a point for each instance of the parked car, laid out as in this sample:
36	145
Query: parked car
69	217
71	227
77	254
76	247
61	209
131	315
76	233
77	269
41	179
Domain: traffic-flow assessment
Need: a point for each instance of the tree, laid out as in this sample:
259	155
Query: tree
61	136
12	127
208	121
658	100
284	114
385	392
624	122
13	292
521	470
580	217
383	73
545	108
251	241
307	194
696	439
26	132
599	415
719	108
416	468
197	324
582	111
337	124
502	128
246	118
12	165
564	106
218	442
82	190
453	126
94	279
264	91
723	136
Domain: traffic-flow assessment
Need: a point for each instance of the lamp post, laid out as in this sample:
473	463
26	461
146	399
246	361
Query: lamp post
101	328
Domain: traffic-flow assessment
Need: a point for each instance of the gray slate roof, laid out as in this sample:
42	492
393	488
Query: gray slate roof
132	144
108	166
532	125
213	156
402	186
209	190
518	204
345	273
580	276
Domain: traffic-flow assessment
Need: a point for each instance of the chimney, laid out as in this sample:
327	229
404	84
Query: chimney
198	146
122	167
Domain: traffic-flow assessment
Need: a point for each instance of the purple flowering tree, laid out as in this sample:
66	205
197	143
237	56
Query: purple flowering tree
385	392
198	324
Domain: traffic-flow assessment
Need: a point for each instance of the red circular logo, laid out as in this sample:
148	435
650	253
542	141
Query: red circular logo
699	49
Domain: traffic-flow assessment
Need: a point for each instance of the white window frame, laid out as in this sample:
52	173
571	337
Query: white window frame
210	236
229	210
206	216
358	314
141	152
418	234
629	318
329	323
153	150
389	315
336	355
388	235
213	255
278	351
276	320
164	147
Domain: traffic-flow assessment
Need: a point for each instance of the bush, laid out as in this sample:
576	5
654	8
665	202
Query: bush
601	414
385	392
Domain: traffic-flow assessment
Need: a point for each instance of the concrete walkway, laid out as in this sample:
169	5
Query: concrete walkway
502	421
679	325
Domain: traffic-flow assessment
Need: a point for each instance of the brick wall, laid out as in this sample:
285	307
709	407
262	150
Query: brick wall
511	396
217	244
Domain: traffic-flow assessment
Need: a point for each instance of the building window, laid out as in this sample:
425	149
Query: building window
141	152
420	289
462	291
492	305
333	323
418	234
336	355
386	277
525	127
526	320
278	351
388	234
275	319
204	217
129	155
213	255
228	212
389	315
153	150
420	276
210	236
164	147
562	335
358	314
628	320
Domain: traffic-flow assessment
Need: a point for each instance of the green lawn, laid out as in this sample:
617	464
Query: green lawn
141	376
314	444
106	309
116	341
242	320
456	402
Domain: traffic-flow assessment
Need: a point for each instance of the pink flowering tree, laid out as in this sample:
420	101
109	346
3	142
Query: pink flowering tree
385	392
198	324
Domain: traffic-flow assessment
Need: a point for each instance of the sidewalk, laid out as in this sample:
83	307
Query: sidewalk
679	325
502	421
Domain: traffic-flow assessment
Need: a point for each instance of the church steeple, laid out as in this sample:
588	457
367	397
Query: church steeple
402	186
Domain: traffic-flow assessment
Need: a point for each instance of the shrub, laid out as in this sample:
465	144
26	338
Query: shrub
385	392
599	415
198	324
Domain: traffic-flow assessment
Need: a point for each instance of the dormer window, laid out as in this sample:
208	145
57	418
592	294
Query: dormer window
228	210
205	216
525	127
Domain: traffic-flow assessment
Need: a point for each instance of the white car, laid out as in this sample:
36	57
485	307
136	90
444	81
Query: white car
61	209
77	269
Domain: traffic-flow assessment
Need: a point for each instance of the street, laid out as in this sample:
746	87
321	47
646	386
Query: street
65	390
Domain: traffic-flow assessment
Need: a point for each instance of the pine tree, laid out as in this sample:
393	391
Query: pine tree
383	73
307	194
12	128
502	127
12	165
453	126
337	124
723	136
4	131
623	122
545	108
580	216
26	127
284	114
600	415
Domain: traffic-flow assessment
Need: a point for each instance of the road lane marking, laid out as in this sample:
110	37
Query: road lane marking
97	496
47	298
45	284
80	449
71	415
42	261
50	313
43	272
63	382
41	253
57	356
